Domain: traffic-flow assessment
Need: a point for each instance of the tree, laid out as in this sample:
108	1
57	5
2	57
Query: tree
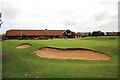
2	37
0	20
118	33
89	34
97	33
0	15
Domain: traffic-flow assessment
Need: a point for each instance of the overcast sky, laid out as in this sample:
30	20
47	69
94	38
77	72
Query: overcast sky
76	15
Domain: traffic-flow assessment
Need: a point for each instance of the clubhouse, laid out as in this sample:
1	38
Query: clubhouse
37	34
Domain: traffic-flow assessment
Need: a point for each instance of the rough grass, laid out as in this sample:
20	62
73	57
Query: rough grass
23	64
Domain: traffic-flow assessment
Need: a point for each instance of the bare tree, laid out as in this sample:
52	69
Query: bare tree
0	20
0	15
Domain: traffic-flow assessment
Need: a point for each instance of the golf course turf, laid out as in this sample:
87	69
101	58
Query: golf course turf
22	63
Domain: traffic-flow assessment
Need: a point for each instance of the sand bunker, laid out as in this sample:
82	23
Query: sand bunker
71	53
24	45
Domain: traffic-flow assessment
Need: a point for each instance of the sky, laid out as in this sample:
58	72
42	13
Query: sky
75	15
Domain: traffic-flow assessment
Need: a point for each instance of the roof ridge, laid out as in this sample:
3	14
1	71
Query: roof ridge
36	30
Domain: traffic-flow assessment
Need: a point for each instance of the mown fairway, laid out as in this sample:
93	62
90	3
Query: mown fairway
21	63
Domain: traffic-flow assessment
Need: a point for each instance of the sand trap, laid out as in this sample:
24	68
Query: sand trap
24	45
71	53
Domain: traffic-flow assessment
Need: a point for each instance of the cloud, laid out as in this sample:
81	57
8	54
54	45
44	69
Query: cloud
119	16
77	15
9	12
70	22
64	13
101	16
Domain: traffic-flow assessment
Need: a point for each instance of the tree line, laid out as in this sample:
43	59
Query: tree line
100	33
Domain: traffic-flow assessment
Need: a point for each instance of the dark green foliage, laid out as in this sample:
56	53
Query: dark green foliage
118	33
97	33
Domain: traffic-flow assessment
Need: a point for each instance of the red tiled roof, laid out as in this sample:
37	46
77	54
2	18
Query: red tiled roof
35	32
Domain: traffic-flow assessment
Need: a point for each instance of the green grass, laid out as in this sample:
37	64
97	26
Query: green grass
21	63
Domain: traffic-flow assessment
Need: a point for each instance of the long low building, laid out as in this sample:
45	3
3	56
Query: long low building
32	34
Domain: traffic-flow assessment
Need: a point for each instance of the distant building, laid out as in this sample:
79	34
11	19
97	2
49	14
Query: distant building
34	34
78	35
111	33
